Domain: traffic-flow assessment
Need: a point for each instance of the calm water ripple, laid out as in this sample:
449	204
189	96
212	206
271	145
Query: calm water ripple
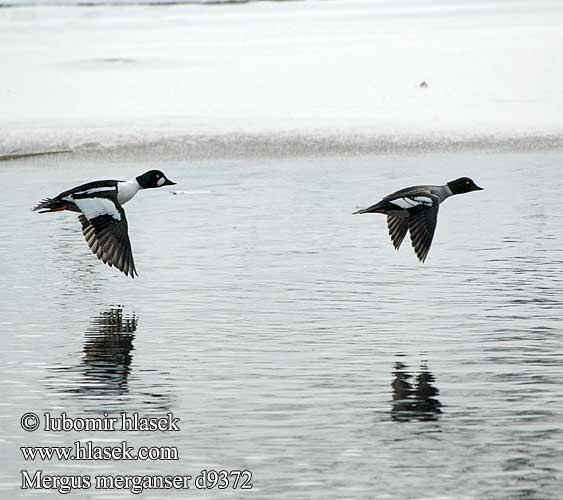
289	336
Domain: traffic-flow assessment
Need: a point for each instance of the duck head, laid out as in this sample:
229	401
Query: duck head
463	185
153	179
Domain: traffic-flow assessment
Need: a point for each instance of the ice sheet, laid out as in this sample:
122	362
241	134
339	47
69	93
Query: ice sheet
101	75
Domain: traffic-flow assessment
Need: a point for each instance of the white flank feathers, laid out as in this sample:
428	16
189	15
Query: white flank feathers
93	207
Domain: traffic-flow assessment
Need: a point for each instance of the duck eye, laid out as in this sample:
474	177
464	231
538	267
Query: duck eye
157	176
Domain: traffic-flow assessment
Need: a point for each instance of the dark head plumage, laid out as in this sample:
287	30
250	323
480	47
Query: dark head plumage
153	179
463	185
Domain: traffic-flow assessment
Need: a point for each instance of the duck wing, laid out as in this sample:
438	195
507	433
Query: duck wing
409	199
404	199
398	227
105	229
422	224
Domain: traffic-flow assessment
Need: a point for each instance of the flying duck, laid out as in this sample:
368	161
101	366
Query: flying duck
415	209
103	220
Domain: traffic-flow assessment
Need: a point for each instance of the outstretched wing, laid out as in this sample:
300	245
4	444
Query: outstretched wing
104	227
398	227
409	202
404	199
422	224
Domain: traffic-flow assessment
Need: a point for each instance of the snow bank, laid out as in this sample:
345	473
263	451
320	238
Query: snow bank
344	68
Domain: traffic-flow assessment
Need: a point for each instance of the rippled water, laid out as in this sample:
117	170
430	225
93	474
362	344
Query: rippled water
288	336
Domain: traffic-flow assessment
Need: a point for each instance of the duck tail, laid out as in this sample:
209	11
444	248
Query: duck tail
49	205
370	210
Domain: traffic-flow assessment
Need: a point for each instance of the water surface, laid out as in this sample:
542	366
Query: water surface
288	335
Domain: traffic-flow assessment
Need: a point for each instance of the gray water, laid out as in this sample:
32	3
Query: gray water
289	336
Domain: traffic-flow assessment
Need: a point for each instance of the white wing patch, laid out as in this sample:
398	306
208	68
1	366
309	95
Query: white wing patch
412	201
90	191
93	207
98	190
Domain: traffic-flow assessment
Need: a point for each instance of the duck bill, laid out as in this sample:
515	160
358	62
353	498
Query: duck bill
168	182
477	188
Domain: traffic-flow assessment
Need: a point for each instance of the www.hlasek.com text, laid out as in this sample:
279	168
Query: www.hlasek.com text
90	451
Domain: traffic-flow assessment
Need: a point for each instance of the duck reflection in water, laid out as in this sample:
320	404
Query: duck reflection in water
414	401
101	378
106	358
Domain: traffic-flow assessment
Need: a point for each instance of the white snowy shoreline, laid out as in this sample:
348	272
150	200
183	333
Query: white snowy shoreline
341	73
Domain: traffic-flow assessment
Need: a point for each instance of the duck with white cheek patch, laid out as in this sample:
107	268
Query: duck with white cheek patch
103	220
